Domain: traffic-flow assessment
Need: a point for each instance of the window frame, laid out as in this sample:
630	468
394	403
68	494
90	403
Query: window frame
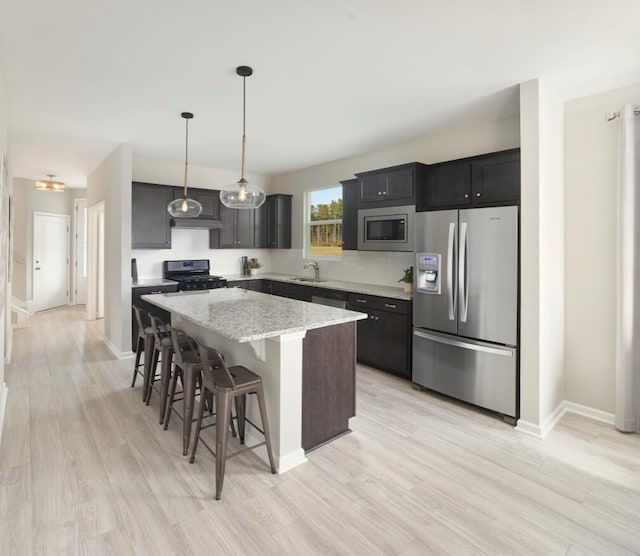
308	223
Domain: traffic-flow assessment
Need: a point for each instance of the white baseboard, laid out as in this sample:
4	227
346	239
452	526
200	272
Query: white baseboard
119	354
559	412
4	390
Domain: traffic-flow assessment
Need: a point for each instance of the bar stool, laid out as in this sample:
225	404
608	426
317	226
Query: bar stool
144	343
187	368
162	347
228	384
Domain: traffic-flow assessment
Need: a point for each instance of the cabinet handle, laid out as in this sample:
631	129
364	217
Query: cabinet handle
384	192
361	300
390	306
159	291
477	194
379	192
466	195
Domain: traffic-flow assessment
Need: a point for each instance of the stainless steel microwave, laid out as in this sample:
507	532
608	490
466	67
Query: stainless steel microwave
386	229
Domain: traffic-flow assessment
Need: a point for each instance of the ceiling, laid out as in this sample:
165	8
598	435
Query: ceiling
332	78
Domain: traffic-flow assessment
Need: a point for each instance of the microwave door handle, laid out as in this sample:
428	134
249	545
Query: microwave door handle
463	274
451	292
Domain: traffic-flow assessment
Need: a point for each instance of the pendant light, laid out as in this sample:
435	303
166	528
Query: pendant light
50	184
243	195
184	207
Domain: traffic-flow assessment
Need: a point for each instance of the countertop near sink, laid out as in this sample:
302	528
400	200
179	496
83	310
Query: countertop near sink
356	287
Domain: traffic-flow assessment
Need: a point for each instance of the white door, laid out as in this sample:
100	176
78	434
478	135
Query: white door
51	260
80	227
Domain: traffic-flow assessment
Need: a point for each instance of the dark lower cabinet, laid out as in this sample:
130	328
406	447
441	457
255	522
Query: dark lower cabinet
292	291
150	221
253	285
136	294
350	215
384	338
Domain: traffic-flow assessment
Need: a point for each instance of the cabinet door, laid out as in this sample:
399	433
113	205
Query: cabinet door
261	223
350	215
399	184
371	187
393	337
244	227
367	340
448	185
279	221
150	220
496	179
209	199
227	234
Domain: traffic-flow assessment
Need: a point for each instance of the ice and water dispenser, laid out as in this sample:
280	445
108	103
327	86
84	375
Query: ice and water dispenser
428	266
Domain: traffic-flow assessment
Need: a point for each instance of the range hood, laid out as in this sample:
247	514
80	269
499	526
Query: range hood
196	223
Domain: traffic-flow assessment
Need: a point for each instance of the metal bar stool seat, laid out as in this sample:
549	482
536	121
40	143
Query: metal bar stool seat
229	384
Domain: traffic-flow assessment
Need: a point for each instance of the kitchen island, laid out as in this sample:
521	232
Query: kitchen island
305	354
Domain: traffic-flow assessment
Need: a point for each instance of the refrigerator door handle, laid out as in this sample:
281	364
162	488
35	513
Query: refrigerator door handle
463	273
463	345
451	292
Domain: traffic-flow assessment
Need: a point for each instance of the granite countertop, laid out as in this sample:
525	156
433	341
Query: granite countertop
355	287
151	282
245	316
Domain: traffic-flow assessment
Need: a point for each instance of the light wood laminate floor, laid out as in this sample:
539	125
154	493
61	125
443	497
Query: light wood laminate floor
85	468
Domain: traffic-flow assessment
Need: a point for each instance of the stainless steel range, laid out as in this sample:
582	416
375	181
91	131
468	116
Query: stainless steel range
192	275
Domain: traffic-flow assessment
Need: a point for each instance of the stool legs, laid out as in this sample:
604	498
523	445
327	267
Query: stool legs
223	412
139	348
172	394
241	405
148	357
265	425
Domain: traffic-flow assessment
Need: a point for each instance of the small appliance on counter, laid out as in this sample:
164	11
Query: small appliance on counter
192	275
244	263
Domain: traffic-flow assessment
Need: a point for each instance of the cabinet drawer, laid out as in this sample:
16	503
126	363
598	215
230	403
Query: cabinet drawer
293	291
387	304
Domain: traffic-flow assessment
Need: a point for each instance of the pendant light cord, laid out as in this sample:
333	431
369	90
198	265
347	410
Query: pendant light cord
244	136
186	157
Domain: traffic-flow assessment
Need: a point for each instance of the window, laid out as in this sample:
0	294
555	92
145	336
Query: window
324	210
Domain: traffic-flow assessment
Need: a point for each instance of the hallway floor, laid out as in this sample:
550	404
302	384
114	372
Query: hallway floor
86	469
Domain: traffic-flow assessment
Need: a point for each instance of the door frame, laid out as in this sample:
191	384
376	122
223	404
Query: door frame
76	242
36	214
95	261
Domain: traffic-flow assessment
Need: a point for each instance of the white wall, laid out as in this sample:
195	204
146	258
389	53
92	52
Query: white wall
591	149
111	182
436	146
4	321
192	244
542	256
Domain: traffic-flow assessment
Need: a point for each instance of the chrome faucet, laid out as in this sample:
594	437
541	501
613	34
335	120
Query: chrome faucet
316	268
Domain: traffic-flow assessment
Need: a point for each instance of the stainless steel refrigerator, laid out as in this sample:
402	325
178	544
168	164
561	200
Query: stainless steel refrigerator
465	306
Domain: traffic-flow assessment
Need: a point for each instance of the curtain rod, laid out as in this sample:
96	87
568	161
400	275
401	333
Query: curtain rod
613	115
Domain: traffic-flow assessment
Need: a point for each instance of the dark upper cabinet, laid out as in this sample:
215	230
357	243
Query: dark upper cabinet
273	223
349	214
392	186
208	198
496	179
237	229
150	221
447	185
486	180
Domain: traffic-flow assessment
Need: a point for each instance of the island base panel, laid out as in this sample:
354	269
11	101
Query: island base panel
328	383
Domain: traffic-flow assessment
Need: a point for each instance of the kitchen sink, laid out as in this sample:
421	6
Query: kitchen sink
306	279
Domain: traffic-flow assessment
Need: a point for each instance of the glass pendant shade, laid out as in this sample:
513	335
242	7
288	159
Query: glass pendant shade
185	207
50	184
243	195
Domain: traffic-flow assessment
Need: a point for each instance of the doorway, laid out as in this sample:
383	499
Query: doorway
80	252
51	260
95	262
